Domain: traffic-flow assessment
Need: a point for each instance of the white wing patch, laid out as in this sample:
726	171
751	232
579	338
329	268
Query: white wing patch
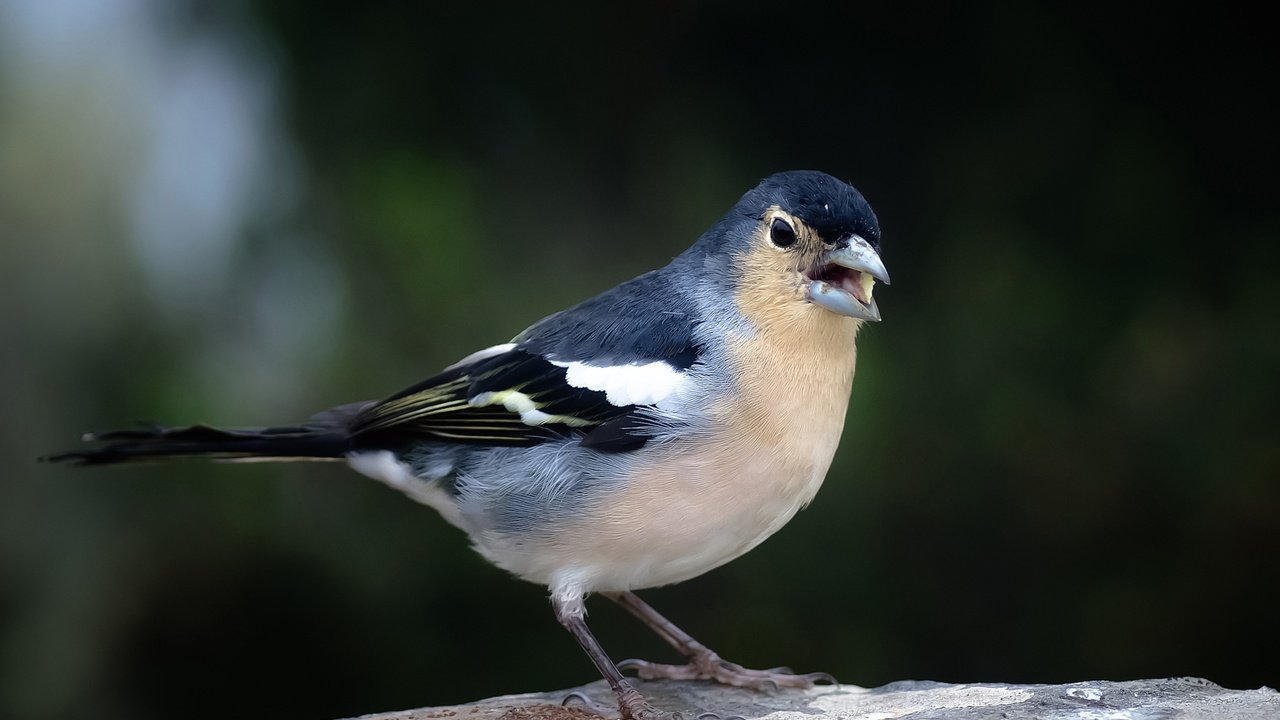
625	384
483	355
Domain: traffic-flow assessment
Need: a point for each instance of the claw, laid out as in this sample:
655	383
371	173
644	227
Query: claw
822	677
630	664
581	700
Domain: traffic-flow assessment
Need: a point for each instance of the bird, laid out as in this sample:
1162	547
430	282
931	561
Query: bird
638	439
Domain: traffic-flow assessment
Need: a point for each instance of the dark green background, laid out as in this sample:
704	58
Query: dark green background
1062	458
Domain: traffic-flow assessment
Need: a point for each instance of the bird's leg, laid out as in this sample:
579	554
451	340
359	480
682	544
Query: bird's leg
704	663
572	614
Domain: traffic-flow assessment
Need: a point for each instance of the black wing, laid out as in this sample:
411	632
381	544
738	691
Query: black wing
521	394
481	403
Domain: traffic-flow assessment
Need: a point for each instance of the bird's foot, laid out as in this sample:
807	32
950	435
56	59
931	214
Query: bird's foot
707	665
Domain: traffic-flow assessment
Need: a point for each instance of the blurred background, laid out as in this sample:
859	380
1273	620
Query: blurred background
1062	460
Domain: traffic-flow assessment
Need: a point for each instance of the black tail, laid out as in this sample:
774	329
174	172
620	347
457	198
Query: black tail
202	441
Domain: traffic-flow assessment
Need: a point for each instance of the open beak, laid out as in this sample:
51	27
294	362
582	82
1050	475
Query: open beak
844	277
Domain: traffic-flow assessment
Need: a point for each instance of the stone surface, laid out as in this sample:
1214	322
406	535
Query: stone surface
1180	698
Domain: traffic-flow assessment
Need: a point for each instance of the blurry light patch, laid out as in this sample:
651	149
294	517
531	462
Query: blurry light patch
201	170
207	162
58	37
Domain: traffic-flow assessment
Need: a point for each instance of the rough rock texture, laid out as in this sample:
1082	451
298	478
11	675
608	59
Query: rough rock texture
1181	698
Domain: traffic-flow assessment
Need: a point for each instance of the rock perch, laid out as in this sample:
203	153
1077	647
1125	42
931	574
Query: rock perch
1172	699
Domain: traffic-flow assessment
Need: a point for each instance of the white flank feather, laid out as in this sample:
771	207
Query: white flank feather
384	466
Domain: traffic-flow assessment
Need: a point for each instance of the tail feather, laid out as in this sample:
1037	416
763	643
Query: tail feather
203	441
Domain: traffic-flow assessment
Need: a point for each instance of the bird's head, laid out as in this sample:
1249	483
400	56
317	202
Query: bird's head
799	238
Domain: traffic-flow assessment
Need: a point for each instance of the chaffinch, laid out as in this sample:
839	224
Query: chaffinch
640	438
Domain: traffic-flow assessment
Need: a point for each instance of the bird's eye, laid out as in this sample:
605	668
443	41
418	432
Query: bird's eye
781	233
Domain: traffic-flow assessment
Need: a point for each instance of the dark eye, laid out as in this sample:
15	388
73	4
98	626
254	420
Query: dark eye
781	233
